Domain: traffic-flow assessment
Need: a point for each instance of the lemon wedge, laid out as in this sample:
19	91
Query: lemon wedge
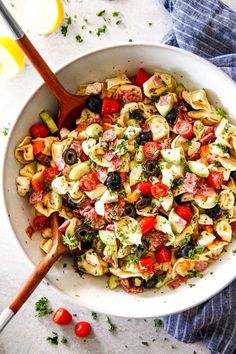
44	16
12	59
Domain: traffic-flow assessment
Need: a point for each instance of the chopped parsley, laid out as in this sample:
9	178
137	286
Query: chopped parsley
222	113
191	285
226	127
130	40
118	22
112	327
79	38
41	307
5	131
64	340
194	274
158	322
101	13
85	20
115	13
136	114
94	315
177	182
150	24
224	148
70	241
100	30
155	98
193	251
234	251
53	339
145	343
64	30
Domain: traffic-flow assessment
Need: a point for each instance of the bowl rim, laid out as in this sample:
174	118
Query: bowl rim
27	101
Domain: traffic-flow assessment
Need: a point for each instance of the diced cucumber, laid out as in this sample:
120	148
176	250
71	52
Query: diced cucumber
94	131
55	201
133	123
136	175
165	104
107	237
198	168
113	282
175	156
79	170
177	223
48	120
167	202
179	88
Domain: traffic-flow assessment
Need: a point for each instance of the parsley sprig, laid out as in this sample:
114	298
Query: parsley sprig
41	307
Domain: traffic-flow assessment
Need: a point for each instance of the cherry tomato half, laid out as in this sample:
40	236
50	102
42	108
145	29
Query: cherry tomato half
159	190
62	316
215	179
141	77
88	182
185	212
49	174
144	187
146	224
82	329
110	106
40	223
39	131
163	255
184	129
151	150
146	263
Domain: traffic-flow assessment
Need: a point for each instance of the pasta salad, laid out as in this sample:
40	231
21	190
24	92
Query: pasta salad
144	184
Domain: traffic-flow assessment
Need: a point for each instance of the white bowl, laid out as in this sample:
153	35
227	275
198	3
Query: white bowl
92	292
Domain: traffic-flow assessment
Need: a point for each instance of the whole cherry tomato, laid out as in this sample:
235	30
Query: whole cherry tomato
62	316
39	131
82	329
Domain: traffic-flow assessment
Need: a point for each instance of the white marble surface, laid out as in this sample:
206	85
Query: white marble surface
26	333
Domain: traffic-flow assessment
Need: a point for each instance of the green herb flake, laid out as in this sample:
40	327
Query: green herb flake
85	20
194	352
94	315
68	20
41	307
118	22
191	285
79	38
53	339
112	327
100	30
226	128
224	148
130	40
222	113
234	251
5	131
64	340
194	274
101	13
145	343
158	322
64	30
150	24
115	13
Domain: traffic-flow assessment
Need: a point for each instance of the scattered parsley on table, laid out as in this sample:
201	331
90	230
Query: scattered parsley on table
158	322
41	307
112	327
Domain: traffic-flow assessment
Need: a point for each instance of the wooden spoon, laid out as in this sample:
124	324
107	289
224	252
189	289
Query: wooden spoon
70	107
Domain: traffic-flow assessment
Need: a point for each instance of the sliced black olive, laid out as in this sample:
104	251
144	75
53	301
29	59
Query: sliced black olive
144	137
70	156
143	202
136	114
70	204
178	200
151	168
171	117
129	210
113	181
189	108
186	249
150	283
82	233
94	103
214	213
233	175
144	248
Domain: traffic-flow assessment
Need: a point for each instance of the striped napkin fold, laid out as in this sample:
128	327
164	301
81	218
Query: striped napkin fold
206	28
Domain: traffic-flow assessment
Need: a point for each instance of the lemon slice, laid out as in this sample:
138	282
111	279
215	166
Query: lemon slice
12	59
44	16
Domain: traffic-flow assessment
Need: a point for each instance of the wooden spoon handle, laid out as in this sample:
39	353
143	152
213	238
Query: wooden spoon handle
33	280
34	57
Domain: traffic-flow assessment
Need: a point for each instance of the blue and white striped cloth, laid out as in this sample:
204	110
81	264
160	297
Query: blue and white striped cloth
206	28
